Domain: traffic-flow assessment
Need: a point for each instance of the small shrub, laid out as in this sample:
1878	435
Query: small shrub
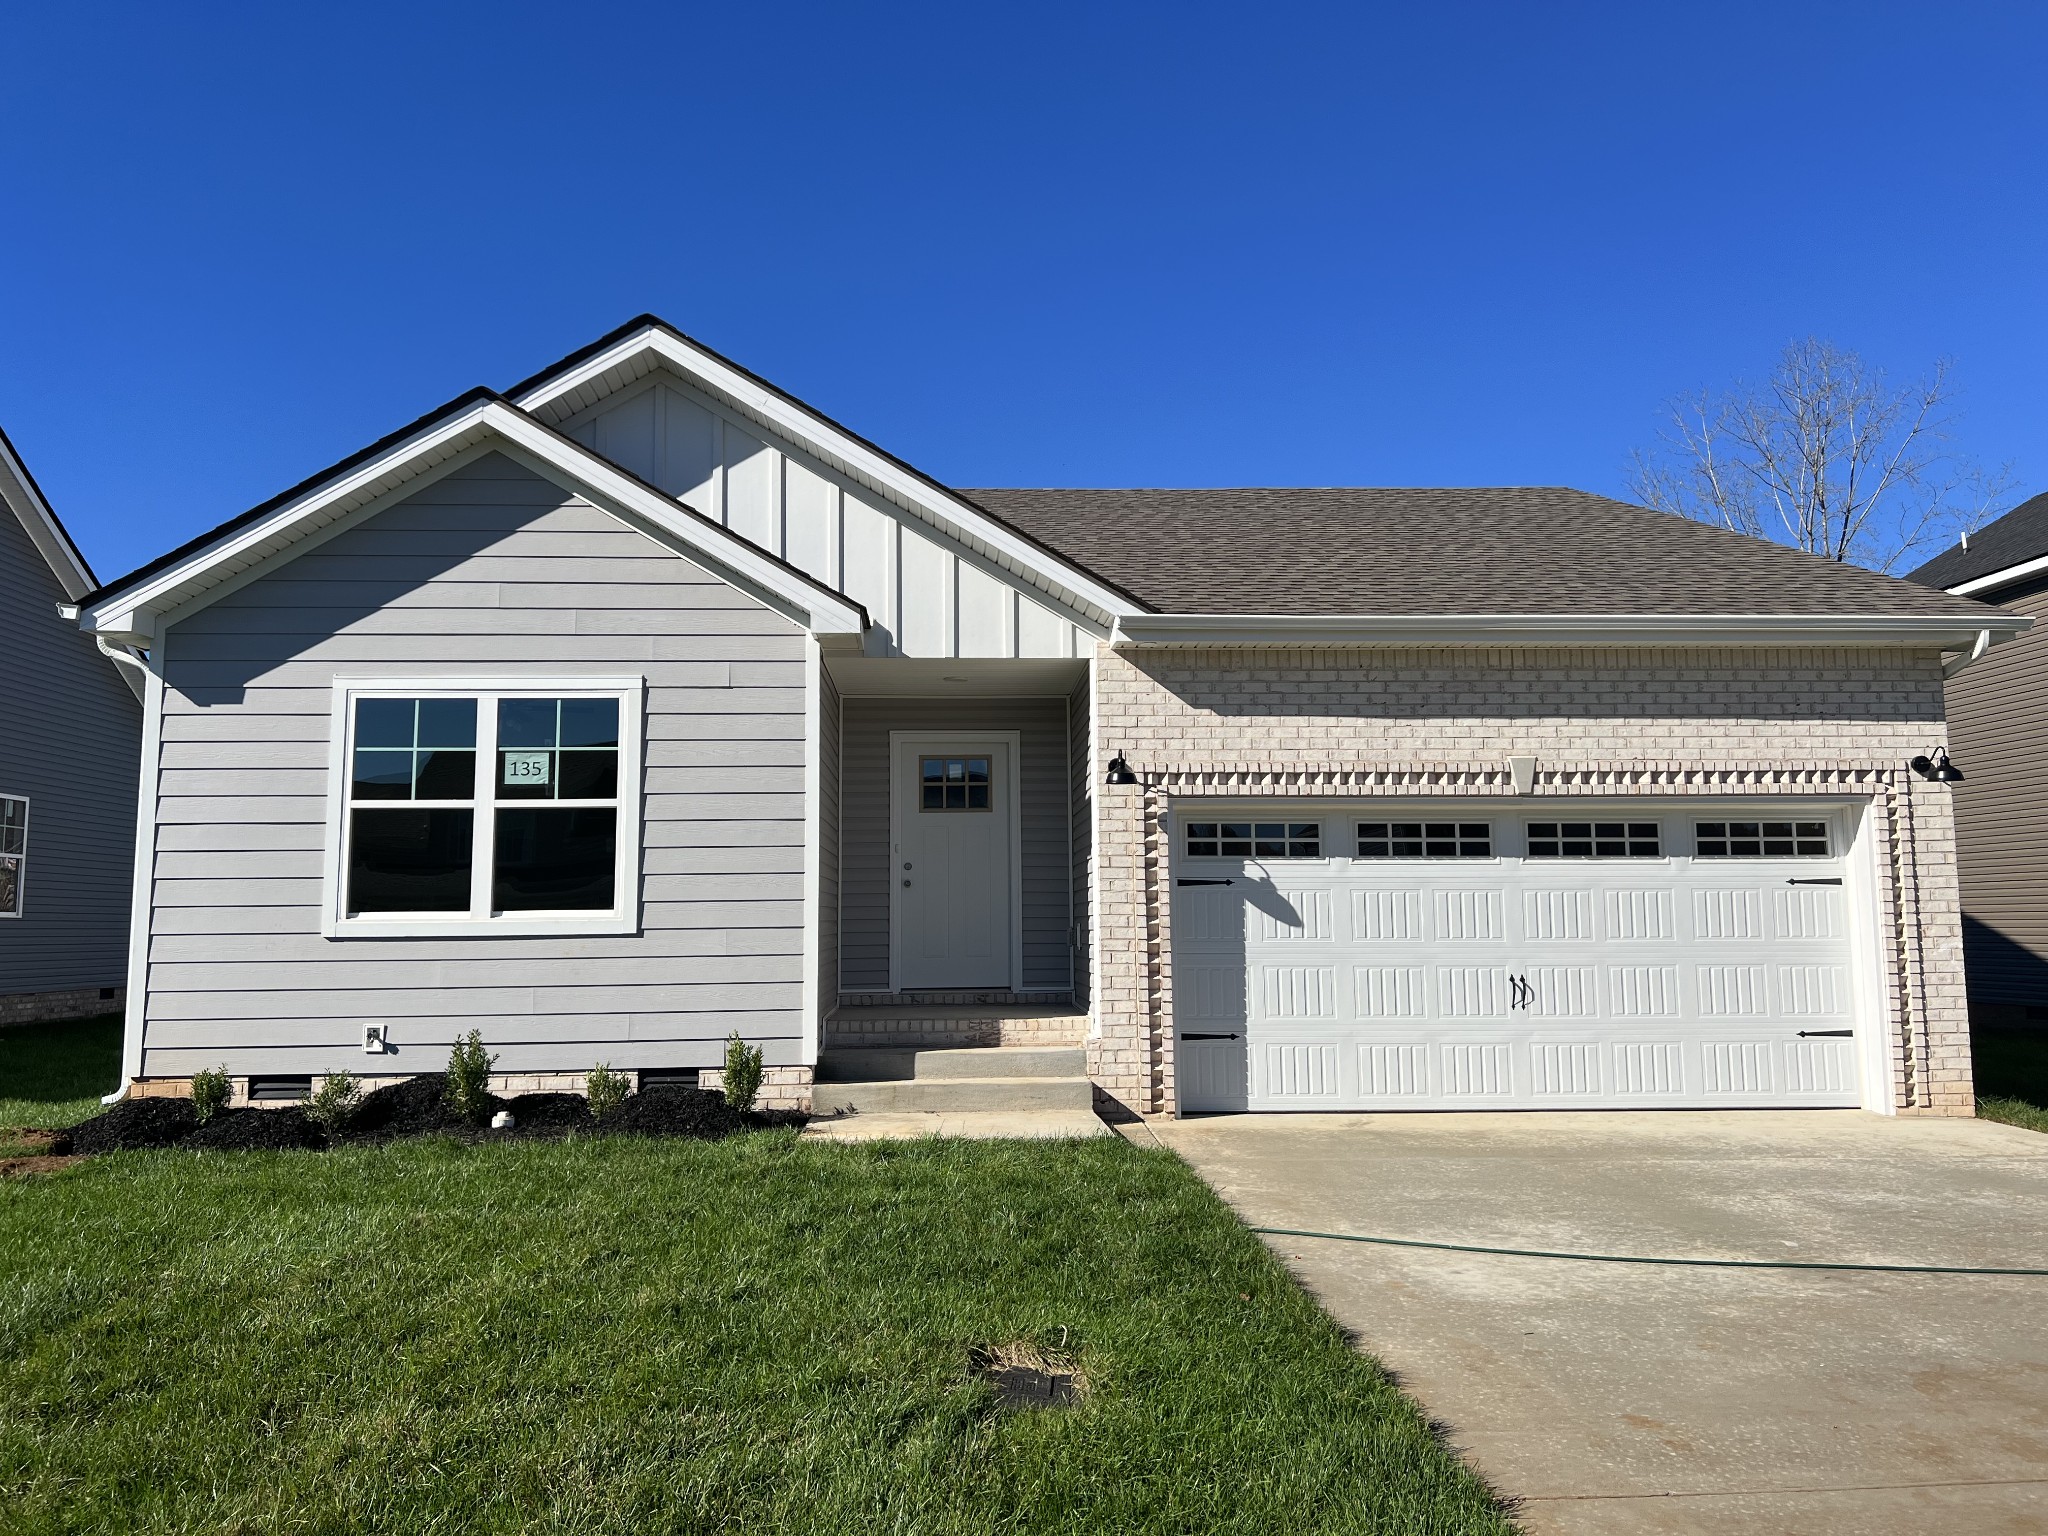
211	1091
334	1101
742	1073
469	1078
606	1090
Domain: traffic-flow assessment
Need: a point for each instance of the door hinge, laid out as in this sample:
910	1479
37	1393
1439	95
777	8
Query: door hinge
1190	880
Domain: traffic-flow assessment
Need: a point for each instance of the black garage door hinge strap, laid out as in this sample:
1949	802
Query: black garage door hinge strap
1826	1034
1212	1037
1826	880
1190	880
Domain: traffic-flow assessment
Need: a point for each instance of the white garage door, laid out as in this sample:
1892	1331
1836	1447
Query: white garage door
1368	958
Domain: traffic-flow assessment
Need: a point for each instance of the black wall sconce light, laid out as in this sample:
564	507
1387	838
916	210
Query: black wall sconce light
1937	767
1120	771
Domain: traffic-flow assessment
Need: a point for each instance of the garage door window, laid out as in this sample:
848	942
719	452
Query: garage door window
1425	840
1255	840
1595	840
1760	839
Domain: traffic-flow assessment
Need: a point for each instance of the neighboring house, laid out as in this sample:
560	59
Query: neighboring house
642	704
1998	729
69	725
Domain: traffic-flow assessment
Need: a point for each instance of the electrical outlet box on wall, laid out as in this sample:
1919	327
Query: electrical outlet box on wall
376	1039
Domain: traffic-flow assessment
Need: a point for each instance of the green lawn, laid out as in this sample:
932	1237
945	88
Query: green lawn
2012	1077
762	1334
53	1074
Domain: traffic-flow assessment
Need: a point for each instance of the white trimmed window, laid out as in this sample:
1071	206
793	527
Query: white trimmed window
1760	839
501	808
1255	840
1425	840
1595	840
13	853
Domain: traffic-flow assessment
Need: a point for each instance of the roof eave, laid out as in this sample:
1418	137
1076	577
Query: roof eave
1920	631
18	489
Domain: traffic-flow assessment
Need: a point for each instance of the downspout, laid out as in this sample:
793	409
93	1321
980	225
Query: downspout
1963	659
129	662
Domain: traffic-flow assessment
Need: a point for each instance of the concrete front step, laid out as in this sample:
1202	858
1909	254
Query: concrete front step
953	1095
969	1125
876	1064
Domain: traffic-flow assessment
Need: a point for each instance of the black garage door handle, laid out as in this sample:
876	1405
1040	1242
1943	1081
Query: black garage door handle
1190	880
1829	880
1826	1034
1212	1037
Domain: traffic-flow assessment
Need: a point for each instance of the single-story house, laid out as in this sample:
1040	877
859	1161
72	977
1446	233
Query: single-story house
70	721
642	704
1998	733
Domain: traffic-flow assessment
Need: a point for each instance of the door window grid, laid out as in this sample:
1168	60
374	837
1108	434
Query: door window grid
1255	840
1760	839
13	853
1595	840
1425	840
422	858
953	783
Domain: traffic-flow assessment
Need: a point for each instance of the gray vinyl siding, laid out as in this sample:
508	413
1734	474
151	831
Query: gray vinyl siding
1998	733
828	837
1081	777
1041	724
500	571
70	743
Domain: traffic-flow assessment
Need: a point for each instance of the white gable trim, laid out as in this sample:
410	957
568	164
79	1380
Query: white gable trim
366	488
581	386
18	490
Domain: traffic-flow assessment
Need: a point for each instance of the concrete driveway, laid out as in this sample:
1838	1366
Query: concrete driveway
1626	1398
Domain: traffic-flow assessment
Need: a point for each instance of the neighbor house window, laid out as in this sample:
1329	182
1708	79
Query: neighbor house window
1425	840
13	853
1255	840
488	809
1595	840
1760	839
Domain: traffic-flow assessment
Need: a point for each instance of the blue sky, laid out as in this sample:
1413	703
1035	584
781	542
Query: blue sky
1100	245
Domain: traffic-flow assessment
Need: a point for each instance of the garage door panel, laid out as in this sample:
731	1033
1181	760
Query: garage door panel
1501	980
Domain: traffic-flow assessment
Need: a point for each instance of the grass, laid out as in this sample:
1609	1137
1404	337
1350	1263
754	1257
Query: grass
612	1335
2012	1077
52	1075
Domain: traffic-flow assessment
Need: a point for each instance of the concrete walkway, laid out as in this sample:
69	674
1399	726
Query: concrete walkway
1625	1398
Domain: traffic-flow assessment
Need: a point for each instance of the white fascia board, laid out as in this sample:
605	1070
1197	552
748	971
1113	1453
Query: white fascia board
1996	579
723	379
1926	631
42	527
134	612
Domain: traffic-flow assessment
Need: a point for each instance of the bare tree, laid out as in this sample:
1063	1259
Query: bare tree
1823	455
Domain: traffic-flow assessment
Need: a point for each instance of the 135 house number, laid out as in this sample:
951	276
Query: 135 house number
526	767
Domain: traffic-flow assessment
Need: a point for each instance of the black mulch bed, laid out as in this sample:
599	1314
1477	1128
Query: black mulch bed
416	1107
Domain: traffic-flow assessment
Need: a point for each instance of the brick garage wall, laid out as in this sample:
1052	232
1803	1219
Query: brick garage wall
1635	723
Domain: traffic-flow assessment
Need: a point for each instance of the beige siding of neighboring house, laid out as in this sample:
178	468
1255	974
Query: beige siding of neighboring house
1998	731
495	570
1618	722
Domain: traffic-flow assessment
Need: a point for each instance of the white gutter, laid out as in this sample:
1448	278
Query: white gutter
135	673
1575	629
2002	578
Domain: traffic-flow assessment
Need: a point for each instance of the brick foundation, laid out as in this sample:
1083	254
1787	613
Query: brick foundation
76	1003
1626	723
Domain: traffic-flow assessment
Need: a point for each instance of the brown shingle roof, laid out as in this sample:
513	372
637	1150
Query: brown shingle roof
1507	550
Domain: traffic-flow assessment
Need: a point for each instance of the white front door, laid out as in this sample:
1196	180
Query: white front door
953	810
1479	955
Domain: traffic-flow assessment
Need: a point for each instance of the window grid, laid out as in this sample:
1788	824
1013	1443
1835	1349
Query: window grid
1255	840
1595	840
1425	840
13	853
953	783
423	839
1760	839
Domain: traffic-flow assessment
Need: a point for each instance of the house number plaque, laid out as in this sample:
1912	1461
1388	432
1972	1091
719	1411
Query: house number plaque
526	767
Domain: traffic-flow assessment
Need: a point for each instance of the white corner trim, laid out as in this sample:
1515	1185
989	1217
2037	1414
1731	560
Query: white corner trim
142	888
1927	631
806	427
2006	577
814	1004
135	611
624	916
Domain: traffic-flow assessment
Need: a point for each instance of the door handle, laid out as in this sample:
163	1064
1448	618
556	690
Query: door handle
906	885
1521	993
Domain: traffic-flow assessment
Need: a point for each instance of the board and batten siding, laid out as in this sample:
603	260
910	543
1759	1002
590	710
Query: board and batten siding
496	569
926	594
70	730
1044	835
1998	733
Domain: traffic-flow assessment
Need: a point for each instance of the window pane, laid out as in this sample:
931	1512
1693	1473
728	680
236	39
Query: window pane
409	860
13	825
526	774
442	775
10	885
977	797
384	722
555	860
590	722
592	775
447	723
382	775
527	722
934	798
